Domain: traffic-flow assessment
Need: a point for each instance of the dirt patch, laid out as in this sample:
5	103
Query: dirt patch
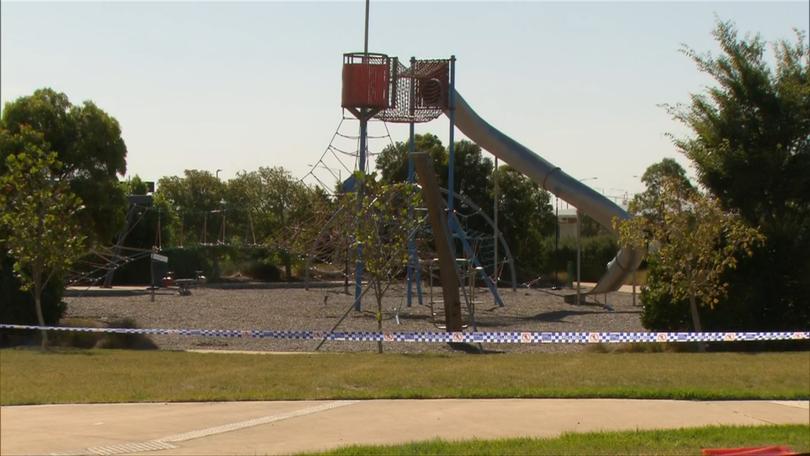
320	309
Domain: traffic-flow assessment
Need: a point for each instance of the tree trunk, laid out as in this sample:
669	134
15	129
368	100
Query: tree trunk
379	316
38	307
696	319
287	265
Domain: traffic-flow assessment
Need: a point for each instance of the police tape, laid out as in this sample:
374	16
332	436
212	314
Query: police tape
489	337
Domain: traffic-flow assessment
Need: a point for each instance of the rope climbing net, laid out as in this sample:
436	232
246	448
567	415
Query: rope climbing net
419	92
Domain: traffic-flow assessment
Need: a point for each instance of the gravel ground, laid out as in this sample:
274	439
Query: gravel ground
320	309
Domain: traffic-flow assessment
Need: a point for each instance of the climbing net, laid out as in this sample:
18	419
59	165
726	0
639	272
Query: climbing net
420	92
340	158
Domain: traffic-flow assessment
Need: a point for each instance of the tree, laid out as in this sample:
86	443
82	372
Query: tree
39	217
750	144
382	228
525	217
648	202
274	200
472	170
197	199
392	163
695	243
473	173
88	144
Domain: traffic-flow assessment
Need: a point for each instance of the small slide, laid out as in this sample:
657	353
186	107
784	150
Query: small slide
553	179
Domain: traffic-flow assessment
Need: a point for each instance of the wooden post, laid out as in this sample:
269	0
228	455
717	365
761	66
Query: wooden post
441	238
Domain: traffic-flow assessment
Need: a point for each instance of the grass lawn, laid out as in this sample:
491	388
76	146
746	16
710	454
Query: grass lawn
86	376
665	442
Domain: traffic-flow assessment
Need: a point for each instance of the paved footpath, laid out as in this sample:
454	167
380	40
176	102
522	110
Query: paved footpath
285	427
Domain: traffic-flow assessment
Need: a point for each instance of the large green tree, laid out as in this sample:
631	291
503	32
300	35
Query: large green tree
197	200
392	163
525	218
88	143
273	203
649	202
472	170
750	144
38	222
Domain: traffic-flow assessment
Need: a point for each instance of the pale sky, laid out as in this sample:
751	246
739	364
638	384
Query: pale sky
235	86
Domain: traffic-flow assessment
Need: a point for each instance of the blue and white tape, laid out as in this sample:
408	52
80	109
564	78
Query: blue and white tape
493	337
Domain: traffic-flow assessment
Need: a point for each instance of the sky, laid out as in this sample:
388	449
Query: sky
235	86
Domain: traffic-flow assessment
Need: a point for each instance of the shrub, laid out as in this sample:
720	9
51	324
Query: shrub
595	254
127	341
17	307
662	313
76	339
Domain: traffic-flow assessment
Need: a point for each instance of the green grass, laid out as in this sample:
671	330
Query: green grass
663	442
88	376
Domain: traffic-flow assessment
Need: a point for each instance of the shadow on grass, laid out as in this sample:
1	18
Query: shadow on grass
559	315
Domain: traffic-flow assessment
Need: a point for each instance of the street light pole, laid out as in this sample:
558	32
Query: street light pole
579	255
556	242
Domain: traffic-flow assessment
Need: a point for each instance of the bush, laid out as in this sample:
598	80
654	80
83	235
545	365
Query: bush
75	338
596	253
184	262
662	313
127	341
215	262
536	256
262	269
17	307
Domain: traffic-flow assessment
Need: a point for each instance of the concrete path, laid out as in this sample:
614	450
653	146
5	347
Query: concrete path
287	427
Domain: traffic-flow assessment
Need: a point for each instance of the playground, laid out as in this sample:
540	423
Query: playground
431	258
490	334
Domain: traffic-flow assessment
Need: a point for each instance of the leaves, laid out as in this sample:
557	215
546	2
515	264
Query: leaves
39	219
88	144
750	145
697	241
377	220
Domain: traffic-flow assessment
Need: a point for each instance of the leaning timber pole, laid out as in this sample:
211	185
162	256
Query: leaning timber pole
442	240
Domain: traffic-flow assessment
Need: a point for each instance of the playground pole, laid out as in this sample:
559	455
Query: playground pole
365	35
359	267
579	250
411	150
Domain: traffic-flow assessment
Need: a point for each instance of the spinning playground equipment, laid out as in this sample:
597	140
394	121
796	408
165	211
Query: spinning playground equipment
378	86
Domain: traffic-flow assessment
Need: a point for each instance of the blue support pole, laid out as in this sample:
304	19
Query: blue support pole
412	261
455	227
361	165
359	267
